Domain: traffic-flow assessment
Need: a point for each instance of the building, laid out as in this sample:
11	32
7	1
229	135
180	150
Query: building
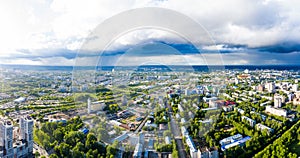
236	81
89	106
290	96
190	143
19	145
26	131
270	87
276	111
249	120
95	106
216	103
280	99
263	117
277	101
261	127
167	140
232	141
203	153
295	87
139	146
229	106
208	152
260	88
241	111
6	139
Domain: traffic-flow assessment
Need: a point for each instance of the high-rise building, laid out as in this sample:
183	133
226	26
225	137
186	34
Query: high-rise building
26	131
89	106
277	101
11	145
270	87
6	139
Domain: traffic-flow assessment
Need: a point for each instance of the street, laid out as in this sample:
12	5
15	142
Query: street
176	133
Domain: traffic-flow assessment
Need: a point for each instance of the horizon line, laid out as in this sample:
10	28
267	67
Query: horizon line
149	65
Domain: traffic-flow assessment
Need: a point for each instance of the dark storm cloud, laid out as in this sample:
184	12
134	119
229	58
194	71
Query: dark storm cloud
284	47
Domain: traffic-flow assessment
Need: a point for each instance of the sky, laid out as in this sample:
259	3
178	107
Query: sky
251	32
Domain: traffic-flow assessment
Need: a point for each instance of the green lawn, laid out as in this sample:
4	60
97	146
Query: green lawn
295	148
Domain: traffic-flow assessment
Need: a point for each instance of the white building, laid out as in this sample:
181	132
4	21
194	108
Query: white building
236	81
295	87
167	140
6	139
276	111
95	106
270	87
249	120
190	143
277	101
208	152
241	111
16	146
89	106
263	127
231	139
26	131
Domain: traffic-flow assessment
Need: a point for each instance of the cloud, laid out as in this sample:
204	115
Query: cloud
285	47
245	31
45	53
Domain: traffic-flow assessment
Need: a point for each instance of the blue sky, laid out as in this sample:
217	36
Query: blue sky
50	32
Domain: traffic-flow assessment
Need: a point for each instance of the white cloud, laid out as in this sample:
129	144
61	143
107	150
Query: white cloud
63	24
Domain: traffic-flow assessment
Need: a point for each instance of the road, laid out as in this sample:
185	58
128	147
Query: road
141	125
176	133
41	150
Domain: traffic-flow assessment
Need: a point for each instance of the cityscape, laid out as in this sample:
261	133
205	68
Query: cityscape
157	113
150	79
